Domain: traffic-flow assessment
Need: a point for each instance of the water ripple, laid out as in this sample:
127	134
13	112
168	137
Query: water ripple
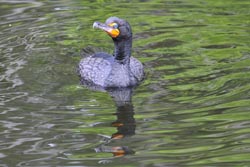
191	110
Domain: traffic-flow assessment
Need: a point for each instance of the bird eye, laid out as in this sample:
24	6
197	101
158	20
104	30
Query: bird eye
114	25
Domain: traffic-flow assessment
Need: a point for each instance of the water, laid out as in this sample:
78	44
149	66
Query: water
191	110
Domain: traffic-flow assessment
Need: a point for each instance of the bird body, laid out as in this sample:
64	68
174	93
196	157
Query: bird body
118	70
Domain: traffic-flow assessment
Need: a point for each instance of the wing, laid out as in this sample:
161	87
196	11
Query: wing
95	69
136	68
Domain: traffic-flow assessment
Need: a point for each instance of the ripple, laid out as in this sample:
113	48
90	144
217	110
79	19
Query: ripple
15	12
2	155
221	46
164	44
191	110
8	97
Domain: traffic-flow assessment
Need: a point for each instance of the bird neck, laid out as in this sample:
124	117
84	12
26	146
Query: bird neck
122	50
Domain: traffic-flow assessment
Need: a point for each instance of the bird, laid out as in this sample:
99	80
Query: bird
113	71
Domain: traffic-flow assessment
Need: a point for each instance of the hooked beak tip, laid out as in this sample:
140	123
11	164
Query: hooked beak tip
95	25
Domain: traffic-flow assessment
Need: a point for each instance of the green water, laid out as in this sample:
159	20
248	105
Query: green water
191	110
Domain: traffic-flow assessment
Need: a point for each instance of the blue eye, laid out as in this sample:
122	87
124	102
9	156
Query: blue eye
115	25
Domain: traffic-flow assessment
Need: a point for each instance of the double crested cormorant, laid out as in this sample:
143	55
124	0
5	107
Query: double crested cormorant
117	70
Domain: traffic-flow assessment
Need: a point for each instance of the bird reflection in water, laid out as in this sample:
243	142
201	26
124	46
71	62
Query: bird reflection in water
125	122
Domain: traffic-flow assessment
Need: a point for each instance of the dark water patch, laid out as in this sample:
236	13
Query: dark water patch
148	34
164	43
221	46
225	13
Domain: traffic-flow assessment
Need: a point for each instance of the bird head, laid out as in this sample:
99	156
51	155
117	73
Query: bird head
115	27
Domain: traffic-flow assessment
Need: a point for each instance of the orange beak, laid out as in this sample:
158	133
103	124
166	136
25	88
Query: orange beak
113	32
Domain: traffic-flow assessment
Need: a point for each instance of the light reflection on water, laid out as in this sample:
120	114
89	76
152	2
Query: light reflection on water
192	109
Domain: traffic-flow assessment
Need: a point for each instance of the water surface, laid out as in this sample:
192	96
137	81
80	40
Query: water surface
191	110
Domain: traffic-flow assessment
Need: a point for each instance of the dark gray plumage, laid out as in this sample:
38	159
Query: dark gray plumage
118	70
